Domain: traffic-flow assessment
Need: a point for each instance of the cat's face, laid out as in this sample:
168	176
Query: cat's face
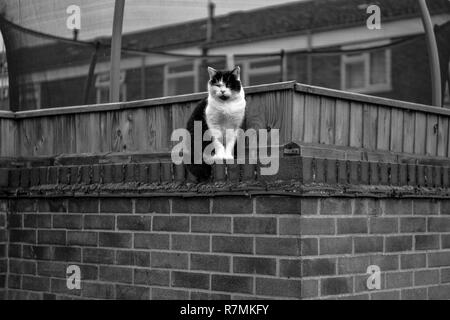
224	85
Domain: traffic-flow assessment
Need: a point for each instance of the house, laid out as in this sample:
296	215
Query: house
323	42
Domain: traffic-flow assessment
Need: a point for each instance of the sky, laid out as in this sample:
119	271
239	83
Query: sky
96	16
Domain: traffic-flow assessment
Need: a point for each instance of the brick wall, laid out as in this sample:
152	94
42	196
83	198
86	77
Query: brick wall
229	247
3	249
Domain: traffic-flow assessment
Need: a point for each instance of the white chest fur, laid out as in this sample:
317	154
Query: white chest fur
223	115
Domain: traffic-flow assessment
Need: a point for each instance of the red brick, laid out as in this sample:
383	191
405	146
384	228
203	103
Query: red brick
426	207
413	225
232	205
336	245
60	286
445	241
191	205
171	224
168	260
368	244
205	262
169	294
99	222
235	284
398	207
190	280
132	293
445	207
439	259
153	205
399	280
37	252
151	241
383	225
427	242
22	236
52	206
83	206
67	254
115	240
116	206
253	265
352	226
134	223
255	225
22	267
82	238
291	268
386	295
385	262
15	221
52	237
413	261
278	205
190	243
116	274
398	243
133	258
98	291
149	277
243	245
40	284
367	207
318	267
439	224
441	292
209	296
52	269
67	221
279	288
310	289
279	246
336	286
26	205
414	294
38	221
426	277
335	206
307	226
309	206
211	224
100	256
445	275
353	265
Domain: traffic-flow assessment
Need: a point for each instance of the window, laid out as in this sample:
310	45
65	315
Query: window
102	85
447	91
30	97
261	71
181	78
366	72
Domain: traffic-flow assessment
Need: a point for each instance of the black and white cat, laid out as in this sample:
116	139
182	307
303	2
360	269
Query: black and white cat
223	112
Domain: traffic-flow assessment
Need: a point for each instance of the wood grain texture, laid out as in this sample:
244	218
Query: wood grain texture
397	130
384	128
443	137
370	126
342	133
298	117
327	120
312	119
420	133
356	124
409	125
432	135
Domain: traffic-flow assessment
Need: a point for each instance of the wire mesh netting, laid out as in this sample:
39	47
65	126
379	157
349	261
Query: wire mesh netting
313	42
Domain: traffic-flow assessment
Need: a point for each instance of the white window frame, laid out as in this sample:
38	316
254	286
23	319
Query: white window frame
170	76
248	71
101	84
365	58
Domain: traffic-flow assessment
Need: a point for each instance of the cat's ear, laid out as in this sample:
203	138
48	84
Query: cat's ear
237	72
212	72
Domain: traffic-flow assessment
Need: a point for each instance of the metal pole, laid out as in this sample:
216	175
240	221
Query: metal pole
433	54
116	47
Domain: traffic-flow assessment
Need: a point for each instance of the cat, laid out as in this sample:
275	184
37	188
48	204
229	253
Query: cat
222	112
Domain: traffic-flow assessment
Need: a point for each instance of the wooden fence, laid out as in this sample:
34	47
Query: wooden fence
307	115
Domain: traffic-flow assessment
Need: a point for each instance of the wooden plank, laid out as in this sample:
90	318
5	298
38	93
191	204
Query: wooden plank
409	123
397	130
370	127
298	117
312	119
327	118
356	124
443	137
384	128
432	135
420	133
342	134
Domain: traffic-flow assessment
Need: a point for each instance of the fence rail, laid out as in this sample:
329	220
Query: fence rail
304	114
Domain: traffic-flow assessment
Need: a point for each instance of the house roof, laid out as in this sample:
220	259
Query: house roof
270	22
238	27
